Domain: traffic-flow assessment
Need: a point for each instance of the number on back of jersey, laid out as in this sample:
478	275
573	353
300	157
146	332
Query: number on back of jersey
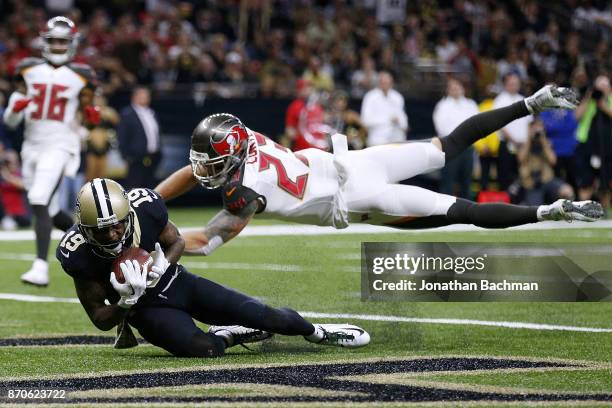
138	196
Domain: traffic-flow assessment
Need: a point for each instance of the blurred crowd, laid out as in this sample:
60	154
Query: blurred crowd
261	47
479	54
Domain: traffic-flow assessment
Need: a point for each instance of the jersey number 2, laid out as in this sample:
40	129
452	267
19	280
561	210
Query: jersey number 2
57	104
296	188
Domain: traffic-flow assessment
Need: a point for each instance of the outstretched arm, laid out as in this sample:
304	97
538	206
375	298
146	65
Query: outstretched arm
178	183
92	295
223	227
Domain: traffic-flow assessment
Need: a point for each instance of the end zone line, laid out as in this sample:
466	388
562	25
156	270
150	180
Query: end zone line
375	318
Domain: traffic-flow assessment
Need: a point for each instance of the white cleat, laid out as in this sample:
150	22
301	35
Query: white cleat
341	335
551	97
38	275
235	335
567	210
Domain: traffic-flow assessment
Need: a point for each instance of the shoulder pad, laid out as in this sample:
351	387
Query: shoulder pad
28	63
84	71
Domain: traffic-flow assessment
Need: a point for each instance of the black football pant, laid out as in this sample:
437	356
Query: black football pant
164	316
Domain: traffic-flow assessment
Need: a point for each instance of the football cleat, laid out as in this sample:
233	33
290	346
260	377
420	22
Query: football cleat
38	275
341	335
235	335
571	210
551	97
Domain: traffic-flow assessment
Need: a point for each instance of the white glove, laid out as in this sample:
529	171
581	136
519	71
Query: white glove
160	265
134	286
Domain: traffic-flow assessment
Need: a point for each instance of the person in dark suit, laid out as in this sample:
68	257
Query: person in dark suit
139	141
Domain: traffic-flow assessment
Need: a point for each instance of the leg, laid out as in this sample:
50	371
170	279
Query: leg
409	207
63	221
399	161
477	127
212	303
465	173
42	185
482	124
174	331
505	167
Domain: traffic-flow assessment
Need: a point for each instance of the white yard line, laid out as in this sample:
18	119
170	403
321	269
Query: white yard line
300	229
376	318
246	266
36	299
401	319
234	266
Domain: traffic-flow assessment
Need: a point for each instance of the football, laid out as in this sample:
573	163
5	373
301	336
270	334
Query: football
139	254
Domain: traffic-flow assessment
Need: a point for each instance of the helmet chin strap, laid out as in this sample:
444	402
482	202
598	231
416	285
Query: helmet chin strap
116	250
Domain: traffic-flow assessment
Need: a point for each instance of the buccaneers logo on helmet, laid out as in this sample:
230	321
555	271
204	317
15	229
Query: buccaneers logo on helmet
232	141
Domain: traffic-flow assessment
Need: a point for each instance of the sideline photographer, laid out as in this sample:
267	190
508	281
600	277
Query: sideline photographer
537	159
595	137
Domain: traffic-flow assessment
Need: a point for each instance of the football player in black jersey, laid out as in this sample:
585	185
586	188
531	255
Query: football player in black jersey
162	302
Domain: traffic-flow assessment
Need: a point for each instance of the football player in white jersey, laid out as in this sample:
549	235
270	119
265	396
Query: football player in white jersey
258	176
50	92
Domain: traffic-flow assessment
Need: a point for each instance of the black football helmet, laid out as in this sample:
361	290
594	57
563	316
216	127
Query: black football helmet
219	146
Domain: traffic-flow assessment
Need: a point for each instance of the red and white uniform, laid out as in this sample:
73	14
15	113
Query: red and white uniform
316	187
51	134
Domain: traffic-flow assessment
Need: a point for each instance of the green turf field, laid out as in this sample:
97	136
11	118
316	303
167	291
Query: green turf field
320	274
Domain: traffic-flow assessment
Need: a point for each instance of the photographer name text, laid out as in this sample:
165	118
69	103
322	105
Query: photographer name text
453	285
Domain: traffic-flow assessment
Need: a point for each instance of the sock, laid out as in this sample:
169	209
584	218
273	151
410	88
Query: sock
491	215
479	126
543	210
42	229
317	335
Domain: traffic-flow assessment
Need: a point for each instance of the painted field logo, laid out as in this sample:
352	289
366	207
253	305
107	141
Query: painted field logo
366	382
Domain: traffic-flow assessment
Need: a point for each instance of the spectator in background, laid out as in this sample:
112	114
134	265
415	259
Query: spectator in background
184	58
344	120
320	79
445	49
449	112
12	192
537	159
276	77
594	134
139	141
382	112
99	140
304	120
560	126
512	64
513	134
364	78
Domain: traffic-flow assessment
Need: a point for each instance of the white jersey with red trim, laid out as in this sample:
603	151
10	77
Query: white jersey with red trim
301	187
50	118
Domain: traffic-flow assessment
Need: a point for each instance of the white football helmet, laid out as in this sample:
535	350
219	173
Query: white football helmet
60	40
